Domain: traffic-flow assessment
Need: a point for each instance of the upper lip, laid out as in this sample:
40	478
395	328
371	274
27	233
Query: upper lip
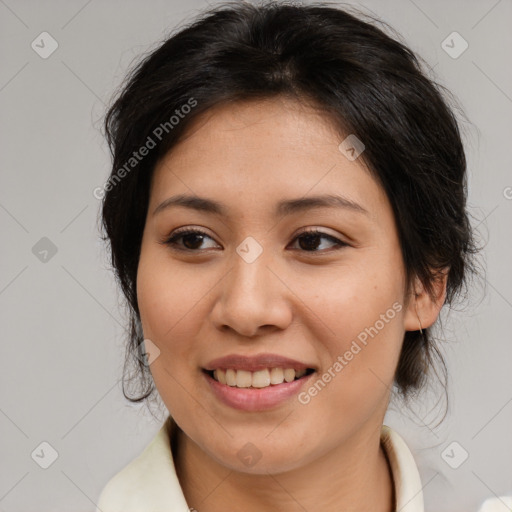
255	363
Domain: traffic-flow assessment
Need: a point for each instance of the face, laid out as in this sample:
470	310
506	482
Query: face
248	281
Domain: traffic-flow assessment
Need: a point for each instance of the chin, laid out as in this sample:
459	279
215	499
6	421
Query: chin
257	459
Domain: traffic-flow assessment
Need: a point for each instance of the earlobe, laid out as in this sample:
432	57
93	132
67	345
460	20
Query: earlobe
423	310
418	315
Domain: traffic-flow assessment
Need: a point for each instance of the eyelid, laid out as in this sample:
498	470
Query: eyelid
338	242
317	231
182	232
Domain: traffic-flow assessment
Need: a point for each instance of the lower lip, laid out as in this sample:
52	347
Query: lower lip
256	399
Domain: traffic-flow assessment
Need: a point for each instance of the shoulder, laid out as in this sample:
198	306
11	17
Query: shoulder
406	477
149	482
498	504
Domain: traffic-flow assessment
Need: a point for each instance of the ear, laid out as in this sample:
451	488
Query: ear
423	310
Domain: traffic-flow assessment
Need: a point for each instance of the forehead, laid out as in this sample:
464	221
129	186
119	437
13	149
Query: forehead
262	151
258	126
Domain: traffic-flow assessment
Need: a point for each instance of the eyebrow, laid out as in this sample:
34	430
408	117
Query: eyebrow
286	207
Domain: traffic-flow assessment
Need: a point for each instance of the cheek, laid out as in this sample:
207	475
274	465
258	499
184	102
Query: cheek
168	293
362	313
350	299
169	299
170	308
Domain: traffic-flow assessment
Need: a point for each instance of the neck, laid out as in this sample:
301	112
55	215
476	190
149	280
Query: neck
354	477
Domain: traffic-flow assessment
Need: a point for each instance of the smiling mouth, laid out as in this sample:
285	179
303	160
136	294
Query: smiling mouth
259	379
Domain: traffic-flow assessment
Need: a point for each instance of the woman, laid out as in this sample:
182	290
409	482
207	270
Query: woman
286	216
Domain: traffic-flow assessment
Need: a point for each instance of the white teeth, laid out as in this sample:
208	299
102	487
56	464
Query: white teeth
220	375
231	377
243	379
300	373
289	374
258	379
261	379
276	376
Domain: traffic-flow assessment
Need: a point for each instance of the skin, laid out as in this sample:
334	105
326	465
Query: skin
304	304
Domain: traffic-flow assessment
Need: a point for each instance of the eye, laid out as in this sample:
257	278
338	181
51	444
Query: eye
311	238
193	238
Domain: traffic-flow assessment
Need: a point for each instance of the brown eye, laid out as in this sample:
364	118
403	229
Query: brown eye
312	238
191	239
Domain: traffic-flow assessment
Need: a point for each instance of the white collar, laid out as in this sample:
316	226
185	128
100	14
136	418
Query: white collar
149	482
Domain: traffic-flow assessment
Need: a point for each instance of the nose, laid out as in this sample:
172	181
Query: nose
253	298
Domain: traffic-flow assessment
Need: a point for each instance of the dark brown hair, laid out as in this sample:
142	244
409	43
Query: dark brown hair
368	83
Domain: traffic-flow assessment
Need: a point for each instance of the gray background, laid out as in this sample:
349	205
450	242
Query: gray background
62	323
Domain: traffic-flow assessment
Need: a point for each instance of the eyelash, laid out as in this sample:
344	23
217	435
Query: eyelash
171	241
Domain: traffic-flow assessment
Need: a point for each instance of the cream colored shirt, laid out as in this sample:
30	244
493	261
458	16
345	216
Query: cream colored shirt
149	482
